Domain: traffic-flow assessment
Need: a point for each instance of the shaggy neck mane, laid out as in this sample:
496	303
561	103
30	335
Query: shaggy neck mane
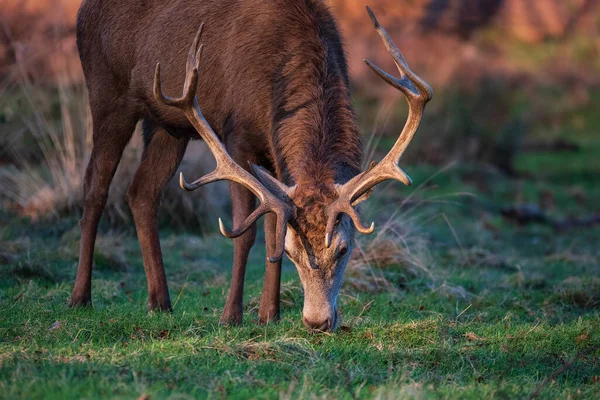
315	135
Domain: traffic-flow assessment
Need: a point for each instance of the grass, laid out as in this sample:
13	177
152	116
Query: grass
471	307
46	149
446	300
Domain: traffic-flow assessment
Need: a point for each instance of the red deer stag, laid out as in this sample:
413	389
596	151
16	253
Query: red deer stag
276	114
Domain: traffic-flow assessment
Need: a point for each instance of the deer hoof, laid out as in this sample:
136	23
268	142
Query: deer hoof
77	301
267	317
159	303
231	319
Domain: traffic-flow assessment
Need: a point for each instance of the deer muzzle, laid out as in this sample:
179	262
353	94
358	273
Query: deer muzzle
320	312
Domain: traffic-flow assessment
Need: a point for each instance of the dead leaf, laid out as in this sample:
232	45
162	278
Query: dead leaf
55	326
471	337
582	338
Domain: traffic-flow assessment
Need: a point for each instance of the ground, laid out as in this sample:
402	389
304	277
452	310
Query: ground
447	299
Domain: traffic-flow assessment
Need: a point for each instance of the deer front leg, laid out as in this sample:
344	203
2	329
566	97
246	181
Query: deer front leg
269	301
243	202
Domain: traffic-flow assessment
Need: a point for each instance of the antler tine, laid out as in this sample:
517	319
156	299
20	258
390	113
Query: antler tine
259	212
195	51
417	93
351	212
407	77
227	168
191	77
280	231
416	90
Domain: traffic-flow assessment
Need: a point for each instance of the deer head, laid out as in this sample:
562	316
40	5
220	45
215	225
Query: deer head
315	225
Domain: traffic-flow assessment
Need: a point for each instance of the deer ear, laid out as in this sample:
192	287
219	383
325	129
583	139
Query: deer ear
273	185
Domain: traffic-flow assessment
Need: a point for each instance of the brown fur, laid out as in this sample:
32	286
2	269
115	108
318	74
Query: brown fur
311	218
316	140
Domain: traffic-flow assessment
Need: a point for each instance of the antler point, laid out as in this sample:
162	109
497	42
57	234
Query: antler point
274	259
373	18
222	228
182	182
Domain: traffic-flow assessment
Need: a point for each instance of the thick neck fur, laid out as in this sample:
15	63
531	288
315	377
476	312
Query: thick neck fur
315	135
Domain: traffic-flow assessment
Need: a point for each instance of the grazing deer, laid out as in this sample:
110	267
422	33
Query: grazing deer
276	115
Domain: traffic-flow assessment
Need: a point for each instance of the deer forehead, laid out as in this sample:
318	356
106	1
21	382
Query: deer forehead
311	217
310	239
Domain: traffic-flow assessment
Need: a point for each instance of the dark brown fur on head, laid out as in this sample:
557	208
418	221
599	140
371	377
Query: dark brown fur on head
311	218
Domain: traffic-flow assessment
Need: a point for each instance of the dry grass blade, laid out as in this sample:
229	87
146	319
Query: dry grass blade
45	177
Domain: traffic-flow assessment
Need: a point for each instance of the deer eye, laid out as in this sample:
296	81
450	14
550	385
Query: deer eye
343	250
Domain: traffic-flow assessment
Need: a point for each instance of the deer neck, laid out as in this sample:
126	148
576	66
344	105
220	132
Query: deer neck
315	136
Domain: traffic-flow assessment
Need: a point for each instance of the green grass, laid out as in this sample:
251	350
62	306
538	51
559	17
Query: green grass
472	306
494	314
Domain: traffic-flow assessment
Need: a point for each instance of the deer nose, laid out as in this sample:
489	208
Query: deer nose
317	326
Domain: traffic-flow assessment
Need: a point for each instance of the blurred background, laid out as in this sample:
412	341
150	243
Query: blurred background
516	86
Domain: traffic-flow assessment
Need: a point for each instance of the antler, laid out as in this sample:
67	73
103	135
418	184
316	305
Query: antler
227	168
417	93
